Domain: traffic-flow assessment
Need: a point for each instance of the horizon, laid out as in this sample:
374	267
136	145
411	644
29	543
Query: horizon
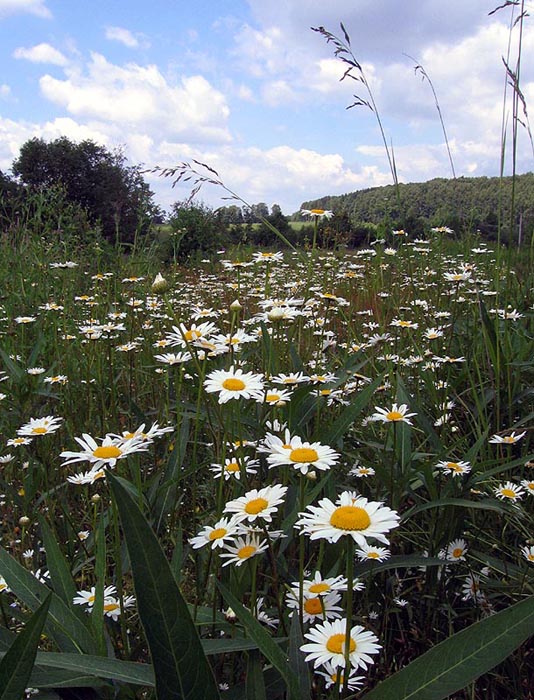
249	89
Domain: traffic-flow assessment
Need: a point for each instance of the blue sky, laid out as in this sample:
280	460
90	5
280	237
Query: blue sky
247	87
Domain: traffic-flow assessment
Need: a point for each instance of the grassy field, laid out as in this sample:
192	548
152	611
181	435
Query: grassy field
239	480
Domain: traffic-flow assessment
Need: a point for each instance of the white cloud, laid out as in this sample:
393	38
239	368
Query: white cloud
126	37
33	7
140	97
41	53
5	91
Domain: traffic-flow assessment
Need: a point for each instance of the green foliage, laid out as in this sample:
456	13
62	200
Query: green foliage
181	669
114	194
463	204
195	229
459	660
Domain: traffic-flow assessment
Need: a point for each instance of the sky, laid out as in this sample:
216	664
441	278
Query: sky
248	88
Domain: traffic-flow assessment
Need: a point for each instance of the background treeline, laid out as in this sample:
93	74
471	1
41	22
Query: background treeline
484	204
78	193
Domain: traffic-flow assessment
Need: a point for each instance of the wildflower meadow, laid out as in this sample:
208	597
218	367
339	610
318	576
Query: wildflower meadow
280	473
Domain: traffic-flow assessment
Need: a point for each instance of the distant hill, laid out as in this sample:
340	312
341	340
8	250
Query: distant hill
466	203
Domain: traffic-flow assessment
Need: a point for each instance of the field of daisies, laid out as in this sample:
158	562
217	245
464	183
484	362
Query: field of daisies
279	474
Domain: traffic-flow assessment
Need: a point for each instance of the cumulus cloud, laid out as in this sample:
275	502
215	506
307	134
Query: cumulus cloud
41	53
126	37
33	7
140	97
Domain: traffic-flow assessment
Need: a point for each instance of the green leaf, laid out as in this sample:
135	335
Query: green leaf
98	667
180	665
97	613
17	664
263	639
62	624
254	683
57	565
486	504
296	658
459	660
349	415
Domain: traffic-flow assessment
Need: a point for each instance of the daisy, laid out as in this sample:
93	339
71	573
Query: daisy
233	384
456	550
395	414
147	436
318	213
19	441
290	379
40	426
233	467
111	450
454	468
507	439
327	645
274	397
87	477
528	486
361	472
88	597
216	536
509	491
335	675
369	552
527	552
112	606
244	548
318	585
302	455
173	358
4	588
182	335
314	608
352	515
262	503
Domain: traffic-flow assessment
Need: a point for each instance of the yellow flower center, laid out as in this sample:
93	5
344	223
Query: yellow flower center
233	384
256	505
303	455
509	439
394	415
319	587
39	431
247	551
350	518
454	466
217	533
336	644
272	397
317	212
107	452
372	555
232	467
509	493
457	553
108	607
313	606
192	335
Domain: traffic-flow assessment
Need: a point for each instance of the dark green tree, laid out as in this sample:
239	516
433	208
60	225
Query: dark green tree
114	194
195	227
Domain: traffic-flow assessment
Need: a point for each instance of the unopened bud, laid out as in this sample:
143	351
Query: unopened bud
235	305
24	521
276	313
160	284
95	498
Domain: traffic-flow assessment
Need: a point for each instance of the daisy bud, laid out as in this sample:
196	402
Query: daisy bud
160	284
312	475
229	615
24	521
95	498
276	314
235	306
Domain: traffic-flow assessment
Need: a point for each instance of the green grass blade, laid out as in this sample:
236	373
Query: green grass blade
17	664
62	624
263	639
255	684
56	563
459	660
180	665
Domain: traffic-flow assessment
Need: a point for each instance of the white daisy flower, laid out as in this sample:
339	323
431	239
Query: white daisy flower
456	550
216	536
234	384
315	608
108	452
509	491
353	515
327	645
242	549
262	503
507	439
395	414
40	426
302	455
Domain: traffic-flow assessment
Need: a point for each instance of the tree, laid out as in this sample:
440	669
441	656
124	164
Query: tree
194	228
114	194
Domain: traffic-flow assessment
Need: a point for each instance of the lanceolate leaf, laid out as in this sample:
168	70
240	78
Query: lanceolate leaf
62	624
265	642
462	658
180	666
17	664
